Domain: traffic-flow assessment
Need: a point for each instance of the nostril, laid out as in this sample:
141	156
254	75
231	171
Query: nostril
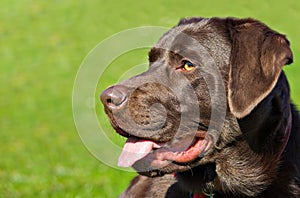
109	101
114	97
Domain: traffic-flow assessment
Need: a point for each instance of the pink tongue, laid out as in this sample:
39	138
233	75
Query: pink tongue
134	150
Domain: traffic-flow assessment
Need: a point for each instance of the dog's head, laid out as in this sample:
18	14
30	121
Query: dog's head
203	74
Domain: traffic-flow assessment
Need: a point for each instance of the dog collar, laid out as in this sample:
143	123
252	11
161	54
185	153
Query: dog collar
198	195
204	195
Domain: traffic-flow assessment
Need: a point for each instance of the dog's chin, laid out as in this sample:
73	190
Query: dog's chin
171	168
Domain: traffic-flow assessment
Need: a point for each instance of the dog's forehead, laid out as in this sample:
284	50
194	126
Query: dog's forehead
182	31
199	37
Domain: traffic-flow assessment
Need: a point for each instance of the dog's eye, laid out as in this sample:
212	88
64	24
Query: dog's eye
188	66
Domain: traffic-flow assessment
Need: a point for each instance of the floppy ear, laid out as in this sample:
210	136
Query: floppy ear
257	57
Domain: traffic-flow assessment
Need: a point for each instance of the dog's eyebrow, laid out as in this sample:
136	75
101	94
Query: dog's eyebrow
175	57
154	54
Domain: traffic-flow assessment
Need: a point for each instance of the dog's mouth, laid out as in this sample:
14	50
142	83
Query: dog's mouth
155	155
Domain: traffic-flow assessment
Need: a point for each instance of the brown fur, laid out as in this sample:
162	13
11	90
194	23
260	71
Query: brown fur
253	154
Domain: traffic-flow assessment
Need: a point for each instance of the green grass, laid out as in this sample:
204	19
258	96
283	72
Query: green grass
42	45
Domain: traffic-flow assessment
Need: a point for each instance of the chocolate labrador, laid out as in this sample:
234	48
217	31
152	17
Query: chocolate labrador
212	116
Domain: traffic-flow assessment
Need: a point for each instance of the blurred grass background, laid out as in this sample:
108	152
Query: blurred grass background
42	45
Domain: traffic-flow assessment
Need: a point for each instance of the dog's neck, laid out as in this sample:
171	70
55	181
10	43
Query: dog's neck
218	176
276	106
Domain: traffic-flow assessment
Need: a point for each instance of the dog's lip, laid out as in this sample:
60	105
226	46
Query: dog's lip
200	133
116	127
161	154
196	150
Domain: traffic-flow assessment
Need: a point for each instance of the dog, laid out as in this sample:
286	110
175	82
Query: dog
212	116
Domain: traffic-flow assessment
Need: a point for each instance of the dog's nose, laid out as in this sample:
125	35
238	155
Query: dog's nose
114	97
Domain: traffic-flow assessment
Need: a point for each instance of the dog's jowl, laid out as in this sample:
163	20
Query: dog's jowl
212	116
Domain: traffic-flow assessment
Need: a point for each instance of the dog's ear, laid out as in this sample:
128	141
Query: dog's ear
257	57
